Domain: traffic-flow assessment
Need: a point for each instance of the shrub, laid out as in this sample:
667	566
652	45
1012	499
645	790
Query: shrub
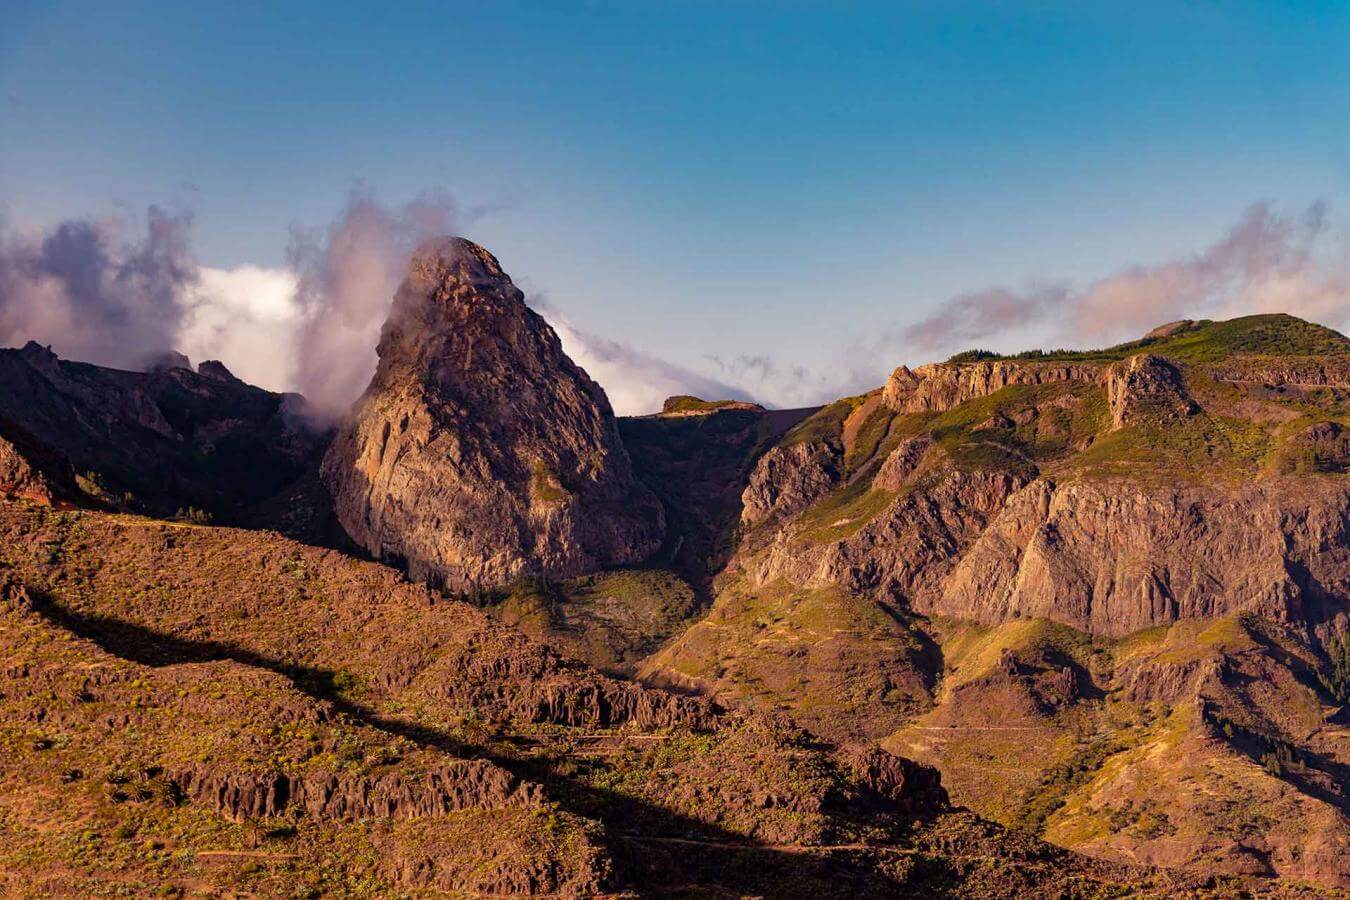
194	515
1335	673
972	356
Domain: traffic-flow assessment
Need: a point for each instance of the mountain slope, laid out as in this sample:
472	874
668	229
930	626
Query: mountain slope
1196	475
419	744
1103	592
164	440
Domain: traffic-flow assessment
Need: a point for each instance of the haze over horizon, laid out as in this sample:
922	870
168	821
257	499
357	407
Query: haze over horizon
776	203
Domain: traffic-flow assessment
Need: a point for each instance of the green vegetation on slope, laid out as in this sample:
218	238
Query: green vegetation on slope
545	486
868	437
840	663
1335	673
1204	341
841	514
690	403
609	620
825	425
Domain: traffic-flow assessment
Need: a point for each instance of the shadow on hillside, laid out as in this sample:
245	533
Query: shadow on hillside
1307	763
653	849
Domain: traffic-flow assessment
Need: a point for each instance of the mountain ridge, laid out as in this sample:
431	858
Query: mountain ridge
1062	580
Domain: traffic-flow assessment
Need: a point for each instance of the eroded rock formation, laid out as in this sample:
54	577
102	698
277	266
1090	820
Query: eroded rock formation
1146	386
788	479
480	453
456	785
1112	557
940	386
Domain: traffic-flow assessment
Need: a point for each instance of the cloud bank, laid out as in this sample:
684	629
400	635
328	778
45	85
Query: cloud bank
92	291
1265	263
248	317
346	277
636	382
120	293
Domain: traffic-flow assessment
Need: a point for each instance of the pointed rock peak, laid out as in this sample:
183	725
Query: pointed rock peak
480	453
169	359
456	304
215	370
455	258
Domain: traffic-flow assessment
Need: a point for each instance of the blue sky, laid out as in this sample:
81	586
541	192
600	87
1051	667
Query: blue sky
695	178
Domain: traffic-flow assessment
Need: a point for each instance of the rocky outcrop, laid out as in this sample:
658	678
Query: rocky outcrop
938	387
1286	371
1326	445
1112	557
1150	680
526	853
533	685
169	359
912	786
1146	387
157	441
216	371
480	453
788	479
900	465
456	785
20	479
1170	329
904	551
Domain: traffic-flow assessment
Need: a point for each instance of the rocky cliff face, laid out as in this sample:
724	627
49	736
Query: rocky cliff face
696	457
1110	494
1146	387
1301	371
900	553
1111	557
940	386
480	453
788	479
156	441
19	477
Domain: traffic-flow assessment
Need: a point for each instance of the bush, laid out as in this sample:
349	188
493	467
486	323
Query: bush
1335	674
966	356
194	515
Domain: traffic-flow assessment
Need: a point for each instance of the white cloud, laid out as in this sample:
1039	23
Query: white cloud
1265	263
637	383
248	318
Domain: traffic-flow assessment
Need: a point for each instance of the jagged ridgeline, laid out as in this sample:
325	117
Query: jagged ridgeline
1099	598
